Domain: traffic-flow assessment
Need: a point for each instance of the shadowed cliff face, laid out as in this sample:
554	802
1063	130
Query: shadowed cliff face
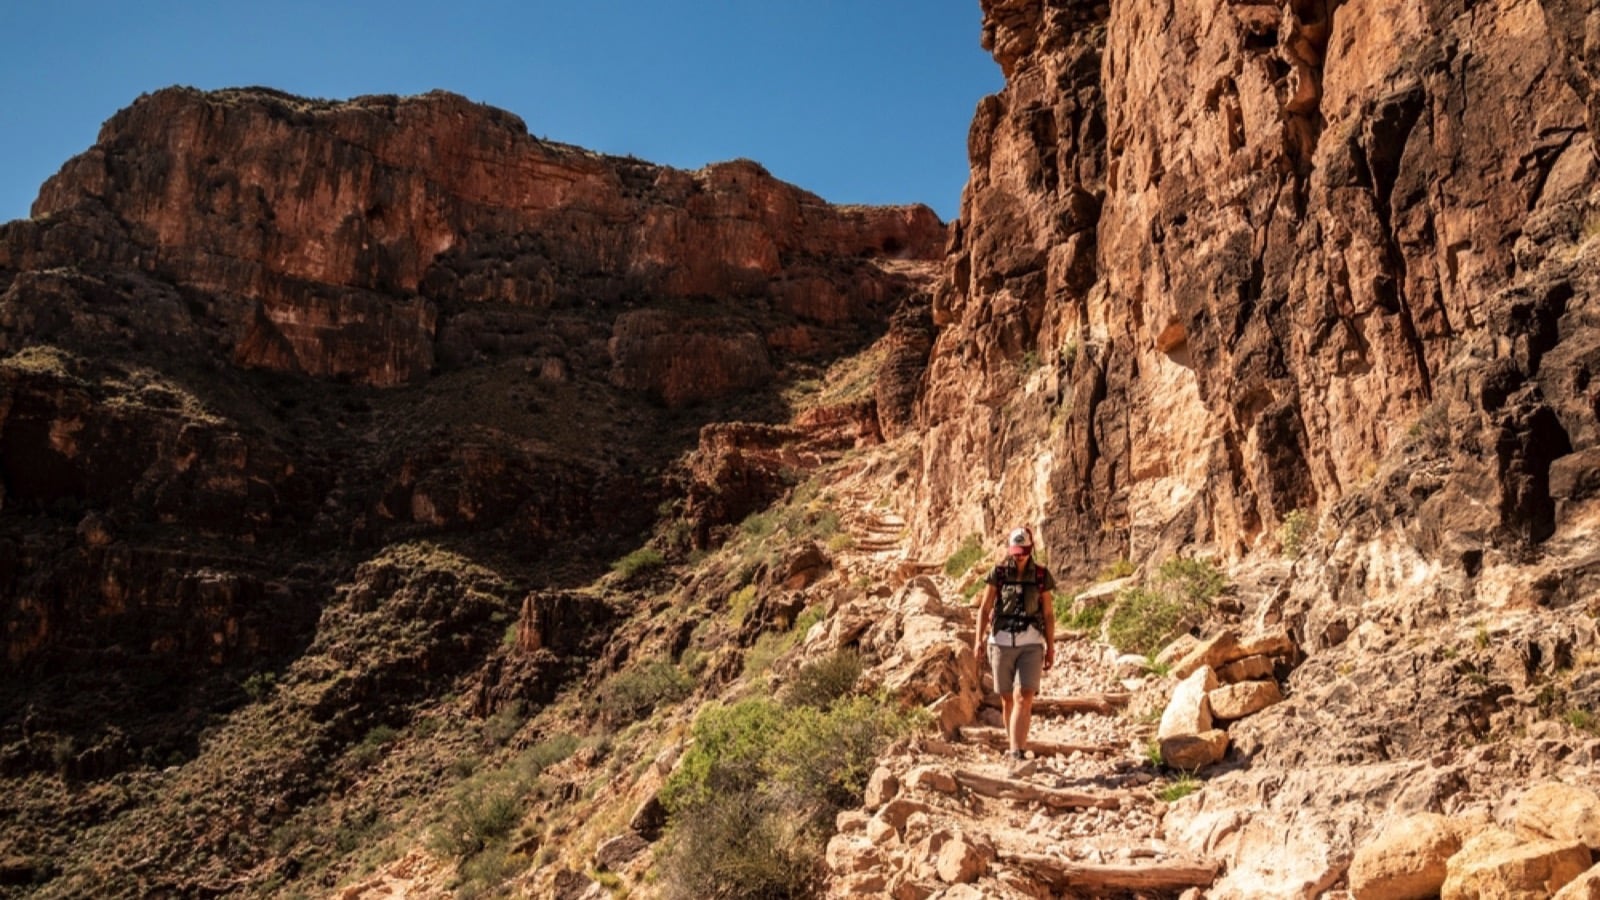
1220	260
250	339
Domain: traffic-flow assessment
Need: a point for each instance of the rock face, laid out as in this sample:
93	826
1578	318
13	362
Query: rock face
1218	262
347	237
250	342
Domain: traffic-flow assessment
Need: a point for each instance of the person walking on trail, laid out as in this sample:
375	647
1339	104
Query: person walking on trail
1016	620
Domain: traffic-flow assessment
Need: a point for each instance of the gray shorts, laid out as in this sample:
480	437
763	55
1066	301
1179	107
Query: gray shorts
1015	667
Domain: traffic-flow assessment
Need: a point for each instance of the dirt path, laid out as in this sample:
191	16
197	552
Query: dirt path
955	818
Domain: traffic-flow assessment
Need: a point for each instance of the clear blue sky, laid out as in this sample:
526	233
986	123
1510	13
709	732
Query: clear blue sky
860	101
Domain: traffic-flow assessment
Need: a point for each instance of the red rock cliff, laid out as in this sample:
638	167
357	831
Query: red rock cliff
351	229
1217	261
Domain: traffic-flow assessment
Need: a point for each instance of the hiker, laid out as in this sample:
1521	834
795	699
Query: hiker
1017	622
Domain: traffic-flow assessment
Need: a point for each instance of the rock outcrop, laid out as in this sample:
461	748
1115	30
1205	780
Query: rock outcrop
1312	278
251	344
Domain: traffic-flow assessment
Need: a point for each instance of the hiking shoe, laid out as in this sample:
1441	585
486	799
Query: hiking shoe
1021	765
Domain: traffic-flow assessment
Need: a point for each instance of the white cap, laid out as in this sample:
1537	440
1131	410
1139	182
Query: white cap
1020	538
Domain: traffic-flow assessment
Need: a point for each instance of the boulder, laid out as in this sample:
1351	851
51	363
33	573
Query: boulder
1235	701
1406	861
962	861
1560	812
1194	751
1584	887
1251	668
1189	710
615	853
1496	866
881	788
1218	650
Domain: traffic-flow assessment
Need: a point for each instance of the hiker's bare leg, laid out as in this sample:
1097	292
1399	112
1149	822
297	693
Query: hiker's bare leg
1006	706
1019	715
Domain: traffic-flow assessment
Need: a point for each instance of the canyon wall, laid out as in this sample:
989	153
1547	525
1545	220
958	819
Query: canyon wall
250	339
1217	261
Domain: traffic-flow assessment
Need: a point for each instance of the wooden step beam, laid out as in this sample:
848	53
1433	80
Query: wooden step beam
1105	704
997	738
1167	875
1028	792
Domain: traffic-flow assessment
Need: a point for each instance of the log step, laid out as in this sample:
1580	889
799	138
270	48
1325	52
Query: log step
1027	792
1063	875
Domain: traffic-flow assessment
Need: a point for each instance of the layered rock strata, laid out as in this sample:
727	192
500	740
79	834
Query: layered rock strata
248	339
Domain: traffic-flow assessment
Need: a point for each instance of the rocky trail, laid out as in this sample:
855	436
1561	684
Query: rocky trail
953	817
1080	817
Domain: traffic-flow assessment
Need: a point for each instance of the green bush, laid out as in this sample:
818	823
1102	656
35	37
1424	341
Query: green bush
1185	785
645	559
482	813
826	680
1085	618
550	751
737	846
754	800
1194	581
371	747
1294	532
634	693
1144	618
260	685
970	551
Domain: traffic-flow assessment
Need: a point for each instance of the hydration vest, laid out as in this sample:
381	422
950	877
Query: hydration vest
1018	605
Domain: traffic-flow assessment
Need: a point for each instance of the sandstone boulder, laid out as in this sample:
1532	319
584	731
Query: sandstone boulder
1189	710
1584	887
1235	701
1407	861
1496	866
1194	751
1251	668
882	787
1213	652
615	853
1560	812
963	861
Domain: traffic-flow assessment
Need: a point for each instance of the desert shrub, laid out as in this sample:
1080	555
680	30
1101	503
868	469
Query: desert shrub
483	874
730	743
808	617
1080	616
970	551
826	680
759	525
1193	581
1294	532
634	693
823	524
371	747
1122	568
740	602
824	757
480	814
736	846
260	685
550	751
504	724
645	559
1145	617
754	800
1185	785
765	651
1142	619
